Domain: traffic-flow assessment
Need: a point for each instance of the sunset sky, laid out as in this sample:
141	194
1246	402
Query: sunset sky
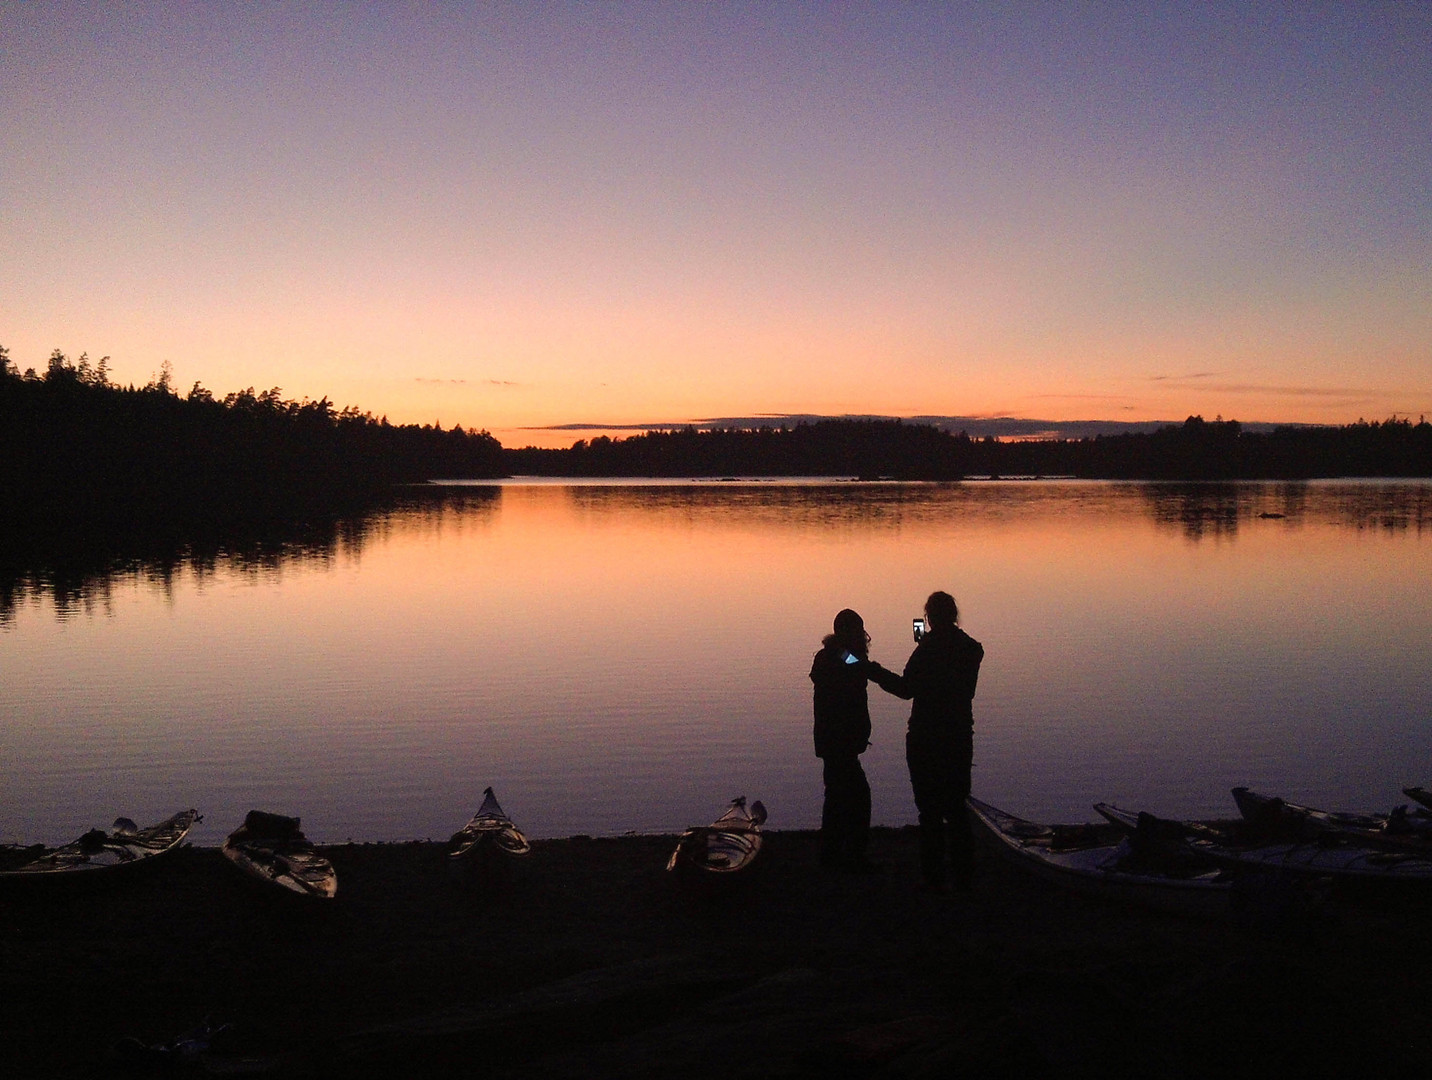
513	216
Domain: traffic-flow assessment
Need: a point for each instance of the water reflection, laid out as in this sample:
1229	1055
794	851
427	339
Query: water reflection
1215	510
78	564
77	567
619	655
1218	510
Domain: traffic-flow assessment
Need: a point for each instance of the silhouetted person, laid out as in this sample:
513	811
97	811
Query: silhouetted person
842	732
940	677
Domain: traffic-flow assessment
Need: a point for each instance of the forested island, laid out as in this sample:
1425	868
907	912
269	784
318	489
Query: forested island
1197	449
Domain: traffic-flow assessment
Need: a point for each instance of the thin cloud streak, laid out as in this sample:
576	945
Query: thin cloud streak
1271	390
463	382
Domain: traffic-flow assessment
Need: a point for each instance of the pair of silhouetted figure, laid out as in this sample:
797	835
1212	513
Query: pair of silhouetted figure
939	680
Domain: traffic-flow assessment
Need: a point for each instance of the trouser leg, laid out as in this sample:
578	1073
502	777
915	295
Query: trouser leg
927	785
830	838
962	841
845	817
829	819
859	813
940	779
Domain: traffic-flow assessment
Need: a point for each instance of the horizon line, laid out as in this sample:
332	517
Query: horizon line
979	426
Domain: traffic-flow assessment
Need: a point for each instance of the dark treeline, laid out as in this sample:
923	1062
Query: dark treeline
825	448
70	432
1194	450
71	438
1222	450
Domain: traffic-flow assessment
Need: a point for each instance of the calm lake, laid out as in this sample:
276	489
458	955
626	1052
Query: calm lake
628	656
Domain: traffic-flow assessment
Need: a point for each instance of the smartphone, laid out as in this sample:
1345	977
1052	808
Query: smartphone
849	657
920	628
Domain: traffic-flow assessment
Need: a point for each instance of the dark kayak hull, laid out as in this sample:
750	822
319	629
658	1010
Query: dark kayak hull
270	851
1279	818
489	848
1238	847
724	850
1099	860
102	856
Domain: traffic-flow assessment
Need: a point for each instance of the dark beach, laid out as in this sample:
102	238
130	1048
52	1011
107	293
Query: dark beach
593	963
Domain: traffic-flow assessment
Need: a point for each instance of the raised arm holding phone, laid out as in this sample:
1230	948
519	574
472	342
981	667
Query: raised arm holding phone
939	680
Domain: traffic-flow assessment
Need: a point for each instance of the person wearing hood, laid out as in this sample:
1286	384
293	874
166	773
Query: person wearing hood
842	732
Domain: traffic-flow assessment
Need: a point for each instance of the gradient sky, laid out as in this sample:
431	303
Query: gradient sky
509	216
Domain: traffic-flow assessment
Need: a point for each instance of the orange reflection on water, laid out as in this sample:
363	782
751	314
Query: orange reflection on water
615	657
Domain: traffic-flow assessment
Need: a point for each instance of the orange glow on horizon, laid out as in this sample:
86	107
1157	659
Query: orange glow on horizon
510	219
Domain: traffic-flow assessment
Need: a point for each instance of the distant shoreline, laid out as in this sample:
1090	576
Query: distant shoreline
72	434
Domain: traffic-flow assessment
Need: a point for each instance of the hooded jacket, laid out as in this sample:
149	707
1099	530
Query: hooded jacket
842	709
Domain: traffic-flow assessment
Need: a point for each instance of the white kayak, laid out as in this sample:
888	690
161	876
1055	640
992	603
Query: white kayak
1102	860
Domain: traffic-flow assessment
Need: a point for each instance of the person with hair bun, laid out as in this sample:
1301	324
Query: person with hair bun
939	680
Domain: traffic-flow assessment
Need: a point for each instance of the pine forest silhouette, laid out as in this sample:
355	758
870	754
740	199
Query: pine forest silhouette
72	434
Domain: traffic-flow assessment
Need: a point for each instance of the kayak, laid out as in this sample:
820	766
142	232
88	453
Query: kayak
1236	845
98	853
1104	860
727	846
488	844
1277	818
272	850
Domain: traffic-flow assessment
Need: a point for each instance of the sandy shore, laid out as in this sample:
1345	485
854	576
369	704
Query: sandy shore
595	964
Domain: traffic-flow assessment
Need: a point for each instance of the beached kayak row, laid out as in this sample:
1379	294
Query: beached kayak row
1133	857
271	851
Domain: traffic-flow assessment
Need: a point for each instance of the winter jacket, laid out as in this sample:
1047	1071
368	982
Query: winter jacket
842	710
940	677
